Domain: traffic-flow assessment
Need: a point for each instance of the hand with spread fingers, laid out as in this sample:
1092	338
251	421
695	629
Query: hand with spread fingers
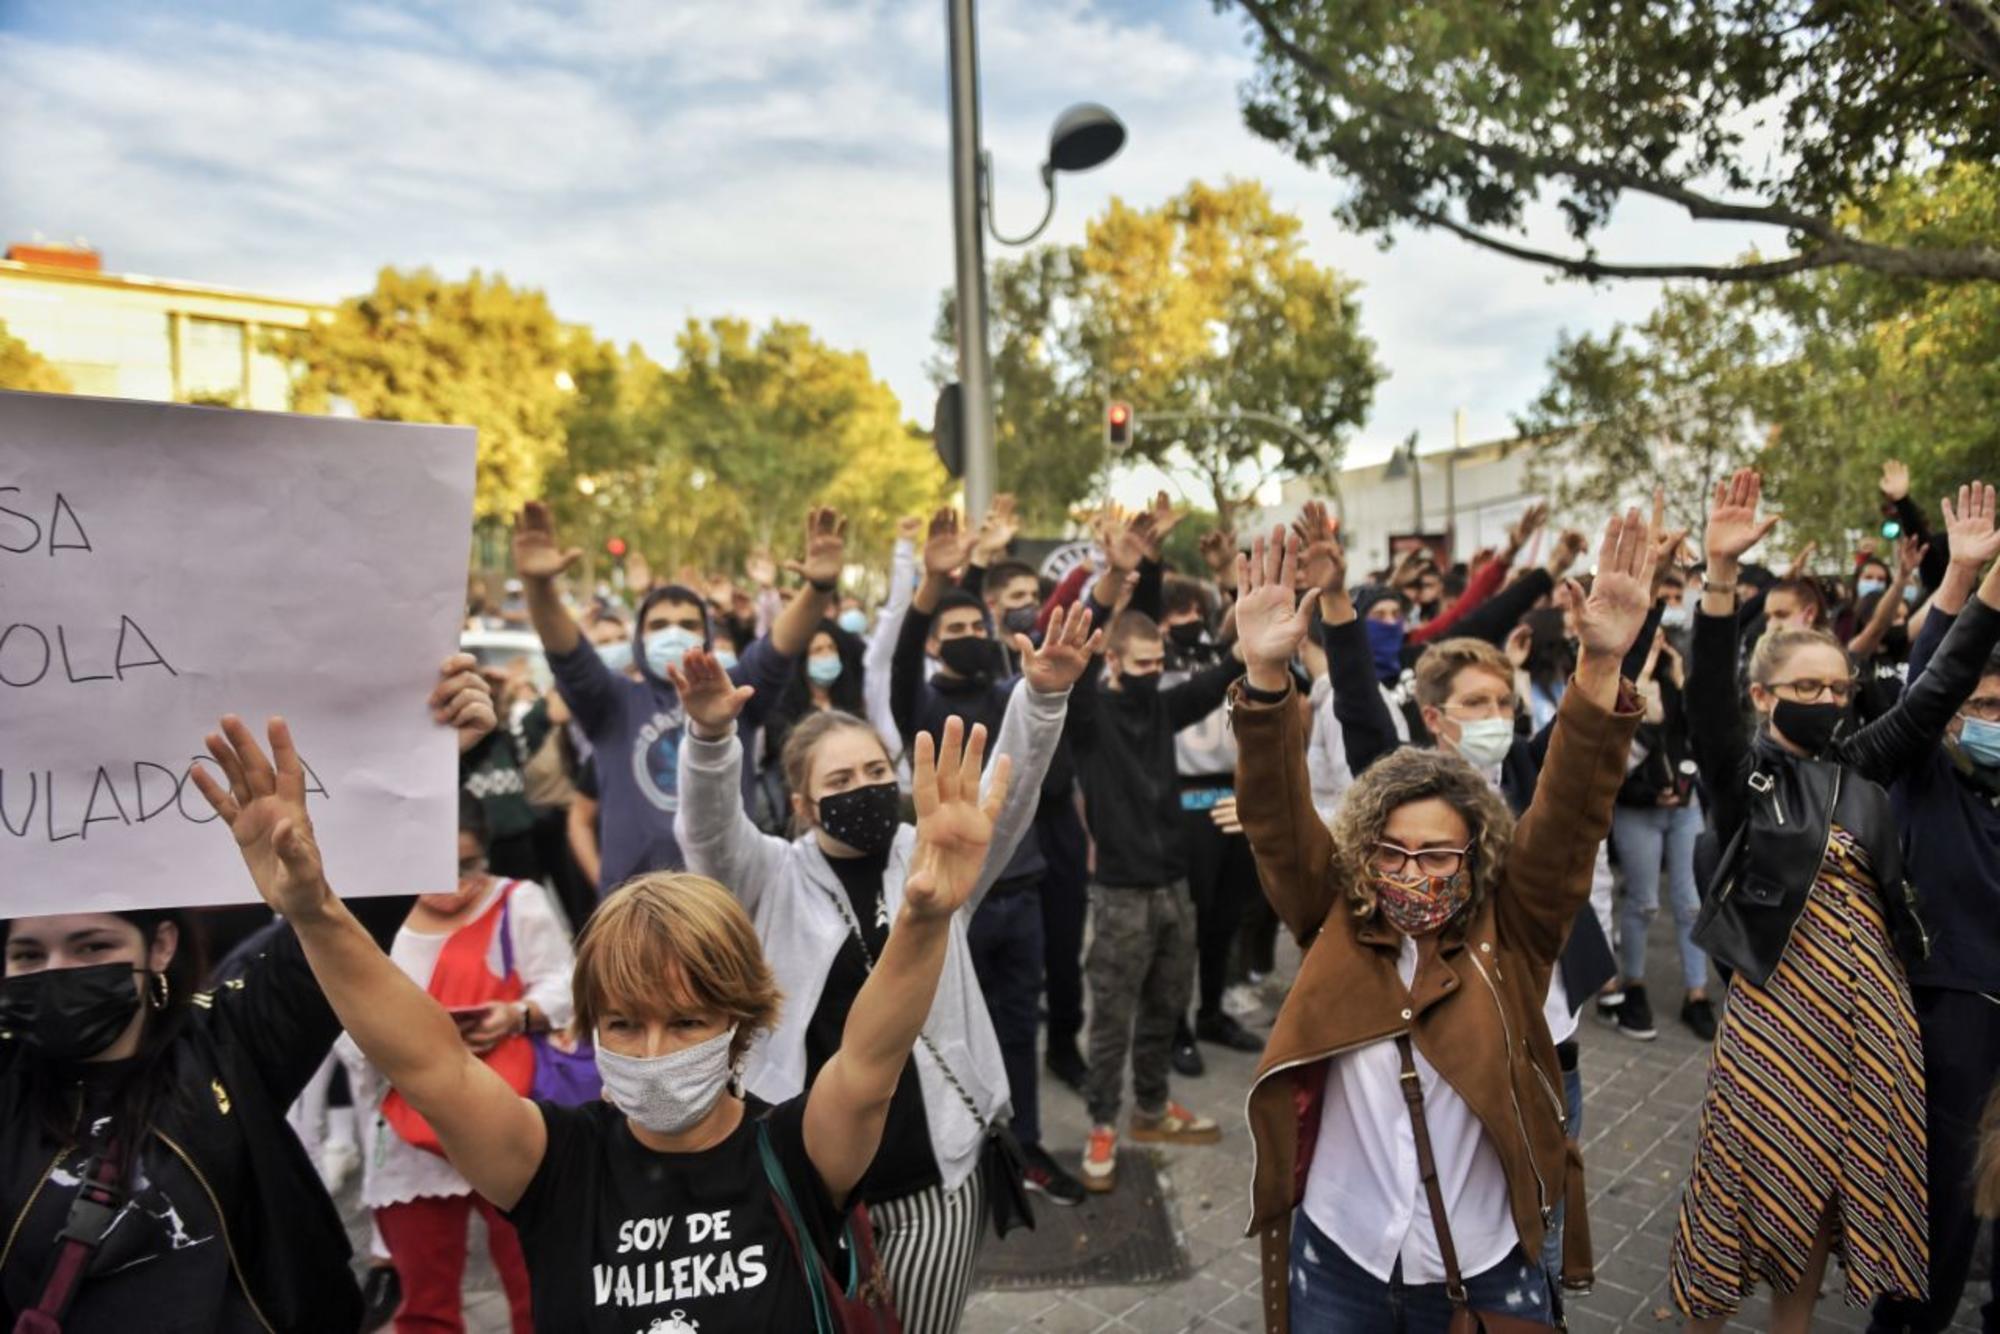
1218	552
1610	616
1734	524
826	548
262	801
1970	528
537	554
954	827
1066	650
1271	616
710	699
1322	564
948	547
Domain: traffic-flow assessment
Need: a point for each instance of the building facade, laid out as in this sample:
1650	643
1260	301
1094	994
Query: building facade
130	336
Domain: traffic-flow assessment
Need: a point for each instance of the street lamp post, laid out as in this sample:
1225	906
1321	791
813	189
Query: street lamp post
1084	136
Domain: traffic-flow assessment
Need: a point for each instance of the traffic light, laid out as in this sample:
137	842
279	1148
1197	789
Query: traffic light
1118	425
616	546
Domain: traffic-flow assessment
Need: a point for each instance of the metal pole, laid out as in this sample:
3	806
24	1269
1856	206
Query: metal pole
975	375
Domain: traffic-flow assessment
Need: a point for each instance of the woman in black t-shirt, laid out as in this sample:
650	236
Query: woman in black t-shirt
659	1210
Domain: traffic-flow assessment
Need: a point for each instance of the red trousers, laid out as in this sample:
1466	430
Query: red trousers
426	1238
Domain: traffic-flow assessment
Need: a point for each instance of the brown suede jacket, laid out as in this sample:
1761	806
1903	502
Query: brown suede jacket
1477	1019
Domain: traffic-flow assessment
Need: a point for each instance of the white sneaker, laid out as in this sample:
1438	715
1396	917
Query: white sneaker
1241	1001
337	1162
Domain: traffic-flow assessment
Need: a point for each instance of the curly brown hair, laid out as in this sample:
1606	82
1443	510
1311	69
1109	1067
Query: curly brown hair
1408	775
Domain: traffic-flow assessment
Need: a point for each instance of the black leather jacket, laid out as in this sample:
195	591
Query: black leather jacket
1771	812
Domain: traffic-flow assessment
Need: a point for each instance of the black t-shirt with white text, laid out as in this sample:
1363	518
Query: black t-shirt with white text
621	1239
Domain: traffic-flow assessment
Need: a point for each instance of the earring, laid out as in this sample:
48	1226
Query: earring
160	991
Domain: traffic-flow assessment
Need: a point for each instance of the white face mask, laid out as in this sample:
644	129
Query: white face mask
1485	742
671	1093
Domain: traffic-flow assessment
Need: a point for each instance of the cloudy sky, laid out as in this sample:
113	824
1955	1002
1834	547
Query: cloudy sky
647	160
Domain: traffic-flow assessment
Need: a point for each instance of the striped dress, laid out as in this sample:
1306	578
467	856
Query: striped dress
1815	1098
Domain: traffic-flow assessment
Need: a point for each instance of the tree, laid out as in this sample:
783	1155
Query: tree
1458	115
1199	312
21	367
473	353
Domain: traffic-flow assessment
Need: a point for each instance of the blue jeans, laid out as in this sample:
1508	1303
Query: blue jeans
1646	836
1552	1238
1331	1294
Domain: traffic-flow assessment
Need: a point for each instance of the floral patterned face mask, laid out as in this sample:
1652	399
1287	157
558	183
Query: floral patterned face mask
1417	904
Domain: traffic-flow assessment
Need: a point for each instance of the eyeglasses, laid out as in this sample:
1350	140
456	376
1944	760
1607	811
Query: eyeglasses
1393	859
471	865
1474	709
1808	691
1986	710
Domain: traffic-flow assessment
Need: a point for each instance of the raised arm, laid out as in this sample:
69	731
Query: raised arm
849	1102
1716	722
493	1136
826	553
1554	853
1909	556
714	830
540	560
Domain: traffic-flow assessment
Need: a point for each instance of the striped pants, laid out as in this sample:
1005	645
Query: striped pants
928	1243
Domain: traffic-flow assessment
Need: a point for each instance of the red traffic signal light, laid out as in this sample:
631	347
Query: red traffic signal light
1118	425
616	546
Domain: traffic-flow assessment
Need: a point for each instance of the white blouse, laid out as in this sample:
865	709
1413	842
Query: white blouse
393	1170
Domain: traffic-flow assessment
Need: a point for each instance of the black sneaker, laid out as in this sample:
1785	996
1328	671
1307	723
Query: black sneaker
381	1294
1041	1174
1067	1066
1607	1005
1699	1015
1224	1031
1186	1058
1635	1015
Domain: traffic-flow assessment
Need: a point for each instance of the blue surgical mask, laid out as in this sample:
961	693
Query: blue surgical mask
617	656
1980	740
1674	618
665	648
823	671
1868	588
725	659
1910	594
854	621
1385	643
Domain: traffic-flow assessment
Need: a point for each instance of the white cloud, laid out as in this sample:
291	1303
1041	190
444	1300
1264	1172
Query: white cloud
647	161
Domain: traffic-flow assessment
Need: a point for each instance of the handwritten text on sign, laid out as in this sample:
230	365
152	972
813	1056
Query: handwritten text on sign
162	565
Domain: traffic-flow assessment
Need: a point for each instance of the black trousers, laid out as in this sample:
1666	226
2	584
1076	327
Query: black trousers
1065	899
1222	877
1006	940
1961	1031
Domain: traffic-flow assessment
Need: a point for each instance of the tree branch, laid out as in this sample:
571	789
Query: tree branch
1977	35
1836	246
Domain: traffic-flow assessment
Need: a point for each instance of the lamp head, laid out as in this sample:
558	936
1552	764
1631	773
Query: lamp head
1086	135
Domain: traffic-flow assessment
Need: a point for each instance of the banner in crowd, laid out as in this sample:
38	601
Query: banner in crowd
163	565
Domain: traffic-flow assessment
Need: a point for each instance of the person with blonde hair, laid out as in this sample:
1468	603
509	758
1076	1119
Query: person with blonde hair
1812	1137
1407	1118
669	1204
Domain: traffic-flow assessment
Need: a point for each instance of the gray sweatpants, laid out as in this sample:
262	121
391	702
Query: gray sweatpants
1140	968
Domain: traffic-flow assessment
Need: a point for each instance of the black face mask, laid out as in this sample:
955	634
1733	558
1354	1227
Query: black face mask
1021	620
967	655
1809	726
1140	687
69	1014
1187	635
864	818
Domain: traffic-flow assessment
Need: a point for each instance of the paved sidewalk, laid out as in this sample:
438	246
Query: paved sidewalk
1640	1105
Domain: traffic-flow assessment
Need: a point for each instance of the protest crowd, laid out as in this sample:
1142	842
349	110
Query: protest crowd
780	916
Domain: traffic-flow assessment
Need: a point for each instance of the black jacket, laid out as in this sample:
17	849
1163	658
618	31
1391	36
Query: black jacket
1771	812
1123	745
242	1058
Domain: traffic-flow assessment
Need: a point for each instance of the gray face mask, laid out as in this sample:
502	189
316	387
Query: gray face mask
671	1093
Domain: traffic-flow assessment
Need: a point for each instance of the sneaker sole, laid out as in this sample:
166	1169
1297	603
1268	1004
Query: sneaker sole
1209	1136
1642	1034
1050	1195
1099	1185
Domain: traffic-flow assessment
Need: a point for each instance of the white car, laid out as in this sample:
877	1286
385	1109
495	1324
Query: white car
503	648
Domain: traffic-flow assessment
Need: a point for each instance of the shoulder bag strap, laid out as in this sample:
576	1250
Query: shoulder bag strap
91	1216
868	960
794	1224
1413	1094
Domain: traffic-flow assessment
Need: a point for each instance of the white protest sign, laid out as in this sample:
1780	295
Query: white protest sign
163	565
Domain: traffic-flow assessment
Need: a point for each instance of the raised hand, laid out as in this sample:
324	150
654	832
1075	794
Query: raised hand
1066	650
1127	544
1271	618
709	698
948	547
1666	542
762	570
1733	523
996	530
1520	646
1525	527
264	807
1322	564
1895	480
954	827
909	528
1609	619
1802	561
536	552
1910	553
1218	552
1569	545
826	548
1969	526
1162	518
463	700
